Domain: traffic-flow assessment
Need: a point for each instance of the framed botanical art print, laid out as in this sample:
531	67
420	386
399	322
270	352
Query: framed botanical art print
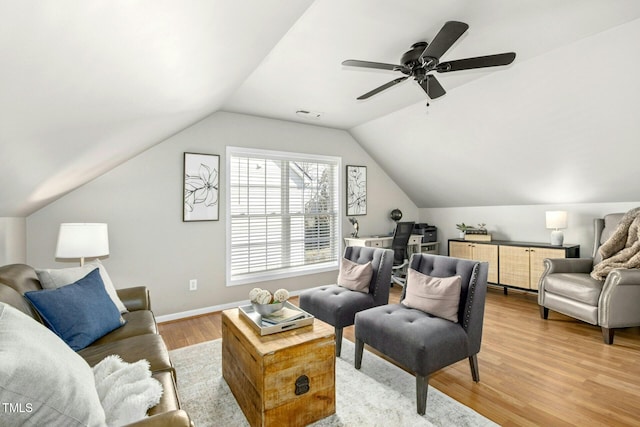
201	187
356	190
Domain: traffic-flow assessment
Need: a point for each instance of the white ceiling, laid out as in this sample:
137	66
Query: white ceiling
84	86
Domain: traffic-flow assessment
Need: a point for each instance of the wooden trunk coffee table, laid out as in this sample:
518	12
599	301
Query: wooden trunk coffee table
284	379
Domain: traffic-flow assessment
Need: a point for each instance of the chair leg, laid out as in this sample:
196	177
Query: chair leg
473	362
338	341
544	312
358	356
607	335
422	387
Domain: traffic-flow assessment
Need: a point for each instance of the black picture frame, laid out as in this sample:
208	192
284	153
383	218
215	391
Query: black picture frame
201	187
356	190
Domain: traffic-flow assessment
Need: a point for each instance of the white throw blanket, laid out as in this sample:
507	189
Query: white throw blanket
622	249
126	390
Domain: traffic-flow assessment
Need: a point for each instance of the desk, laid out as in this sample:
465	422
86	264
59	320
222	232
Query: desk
415	244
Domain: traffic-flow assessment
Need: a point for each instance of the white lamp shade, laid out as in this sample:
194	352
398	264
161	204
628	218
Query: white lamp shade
82	240
556	219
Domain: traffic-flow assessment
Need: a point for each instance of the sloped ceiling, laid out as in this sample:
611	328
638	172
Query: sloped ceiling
85	86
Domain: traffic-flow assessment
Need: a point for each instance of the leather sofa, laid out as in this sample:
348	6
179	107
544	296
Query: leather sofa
137	339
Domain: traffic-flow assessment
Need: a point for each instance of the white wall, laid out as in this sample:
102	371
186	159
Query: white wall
13	240
141	201
523	223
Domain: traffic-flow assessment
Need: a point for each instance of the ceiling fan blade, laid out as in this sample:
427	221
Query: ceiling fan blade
477	62
383	87
446	37
369	64
432	87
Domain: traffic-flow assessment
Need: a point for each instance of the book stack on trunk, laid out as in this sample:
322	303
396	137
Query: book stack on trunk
284	315
477	235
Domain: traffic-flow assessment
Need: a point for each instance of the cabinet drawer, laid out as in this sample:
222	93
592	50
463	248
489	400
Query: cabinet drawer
537	256
376	243
415	239
489	254
514	266
460	250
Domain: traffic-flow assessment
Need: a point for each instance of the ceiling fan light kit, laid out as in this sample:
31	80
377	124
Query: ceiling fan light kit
424	58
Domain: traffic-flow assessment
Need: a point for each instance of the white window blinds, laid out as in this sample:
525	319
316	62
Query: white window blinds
283	214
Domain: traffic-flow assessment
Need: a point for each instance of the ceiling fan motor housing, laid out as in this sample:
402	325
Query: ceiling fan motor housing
415	64
411	58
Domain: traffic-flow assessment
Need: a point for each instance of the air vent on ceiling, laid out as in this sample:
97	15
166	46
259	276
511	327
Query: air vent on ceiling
309	115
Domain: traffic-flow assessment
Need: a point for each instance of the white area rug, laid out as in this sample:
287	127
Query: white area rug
380	394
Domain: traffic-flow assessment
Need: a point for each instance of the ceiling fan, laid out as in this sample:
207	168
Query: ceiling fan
425	57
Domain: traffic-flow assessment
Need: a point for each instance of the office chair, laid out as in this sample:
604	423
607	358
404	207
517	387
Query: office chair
401	237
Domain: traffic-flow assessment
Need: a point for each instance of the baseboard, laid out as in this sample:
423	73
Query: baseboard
207	310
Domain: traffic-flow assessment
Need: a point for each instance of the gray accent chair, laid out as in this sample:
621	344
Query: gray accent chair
338	306
423	343
566	287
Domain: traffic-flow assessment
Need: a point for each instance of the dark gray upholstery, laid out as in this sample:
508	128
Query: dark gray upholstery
421	342
401	237
338	306
567	287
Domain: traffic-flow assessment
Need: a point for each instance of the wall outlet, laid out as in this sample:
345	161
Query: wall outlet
193	285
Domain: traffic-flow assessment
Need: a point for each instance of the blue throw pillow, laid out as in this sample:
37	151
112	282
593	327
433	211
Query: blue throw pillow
79	313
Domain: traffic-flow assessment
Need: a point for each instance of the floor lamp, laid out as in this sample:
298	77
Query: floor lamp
82	240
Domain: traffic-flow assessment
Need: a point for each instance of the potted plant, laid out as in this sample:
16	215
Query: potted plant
463	228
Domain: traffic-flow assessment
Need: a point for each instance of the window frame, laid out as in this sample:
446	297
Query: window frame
291	271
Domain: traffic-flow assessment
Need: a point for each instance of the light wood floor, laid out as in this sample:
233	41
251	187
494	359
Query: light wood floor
532	372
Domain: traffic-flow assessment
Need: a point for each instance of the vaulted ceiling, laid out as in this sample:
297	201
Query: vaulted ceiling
85	86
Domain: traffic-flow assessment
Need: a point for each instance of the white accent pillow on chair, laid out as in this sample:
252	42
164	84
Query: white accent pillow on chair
438	296
55	278
354	276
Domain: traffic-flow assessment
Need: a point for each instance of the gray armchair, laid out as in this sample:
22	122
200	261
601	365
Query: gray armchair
338	306
567	287
423	343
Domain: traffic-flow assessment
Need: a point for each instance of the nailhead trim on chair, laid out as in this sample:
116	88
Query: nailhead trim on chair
470	295
377	284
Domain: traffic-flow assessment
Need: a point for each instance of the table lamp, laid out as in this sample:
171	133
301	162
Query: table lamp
556	220
82	240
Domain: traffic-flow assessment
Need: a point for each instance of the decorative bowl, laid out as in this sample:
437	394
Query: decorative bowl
267	309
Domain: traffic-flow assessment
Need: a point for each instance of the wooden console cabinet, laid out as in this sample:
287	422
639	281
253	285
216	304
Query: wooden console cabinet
512	264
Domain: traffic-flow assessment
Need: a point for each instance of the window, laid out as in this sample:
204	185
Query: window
282	214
